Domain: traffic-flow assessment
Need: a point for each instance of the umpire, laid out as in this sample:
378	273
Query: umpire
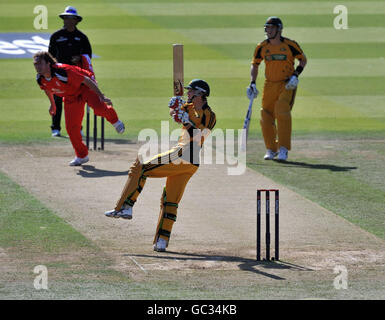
66	45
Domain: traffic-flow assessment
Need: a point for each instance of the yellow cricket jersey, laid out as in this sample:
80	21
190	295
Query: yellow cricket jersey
200	119
191	140
279	59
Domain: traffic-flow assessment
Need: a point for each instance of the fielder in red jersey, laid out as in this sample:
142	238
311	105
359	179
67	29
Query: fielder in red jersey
77	87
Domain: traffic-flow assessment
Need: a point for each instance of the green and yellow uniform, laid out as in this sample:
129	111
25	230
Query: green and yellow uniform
277	101
177	165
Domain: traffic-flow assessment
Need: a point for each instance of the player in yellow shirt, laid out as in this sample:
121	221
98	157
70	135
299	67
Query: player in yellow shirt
178	164
281	80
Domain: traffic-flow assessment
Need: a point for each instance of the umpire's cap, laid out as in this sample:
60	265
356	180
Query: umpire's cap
274	21
200	85
70	11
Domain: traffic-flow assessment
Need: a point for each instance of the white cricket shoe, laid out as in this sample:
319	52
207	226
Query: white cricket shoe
270	154
119	126
79	161
125	213
112	214
55	133
282	155
160	245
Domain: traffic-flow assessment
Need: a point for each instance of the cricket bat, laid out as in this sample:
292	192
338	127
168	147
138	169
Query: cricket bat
246	125
178	73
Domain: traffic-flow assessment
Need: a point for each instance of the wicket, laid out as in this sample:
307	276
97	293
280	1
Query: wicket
267	223
95	131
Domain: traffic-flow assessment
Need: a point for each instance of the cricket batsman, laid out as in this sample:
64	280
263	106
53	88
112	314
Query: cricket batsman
281	81
77	86
178	164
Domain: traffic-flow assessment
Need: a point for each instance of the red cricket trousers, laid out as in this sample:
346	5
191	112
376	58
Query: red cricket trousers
74	113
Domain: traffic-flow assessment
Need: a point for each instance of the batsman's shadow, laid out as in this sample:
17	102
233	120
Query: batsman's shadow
330	167
88	171
244	264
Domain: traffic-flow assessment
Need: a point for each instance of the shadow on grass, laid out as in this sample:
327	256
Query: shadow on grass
245	264
330	167
305	165
88	171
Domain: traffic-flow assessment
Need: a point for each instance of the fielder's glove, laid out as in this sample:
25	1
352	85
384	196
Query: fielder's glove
292	83
252	91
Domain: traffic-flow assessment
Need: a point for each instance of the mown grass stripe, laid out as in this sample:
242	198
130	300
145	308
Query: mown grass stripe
301	35
221	1
229	87
370	107
373	67
159	8
253	20
139	36
85	8
163	51
234	35
266	8
220	68
26	223
157	52
305	106
111	22
239	51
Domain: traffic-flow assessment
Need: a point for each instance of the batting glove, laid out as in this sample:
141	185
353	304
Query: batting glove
292	83
174	115
184	117
252	91
176	103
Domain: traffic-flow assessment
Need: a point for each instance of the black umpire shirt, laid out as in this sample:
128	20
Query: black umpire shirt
64	44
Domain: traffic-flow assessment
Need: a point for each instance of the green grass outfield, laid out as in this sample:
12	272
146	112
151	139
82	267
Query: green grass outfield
338	118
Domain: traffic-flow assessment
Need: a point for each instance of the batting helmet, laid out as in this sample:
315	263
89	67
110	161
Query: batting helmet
274	21
199	85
